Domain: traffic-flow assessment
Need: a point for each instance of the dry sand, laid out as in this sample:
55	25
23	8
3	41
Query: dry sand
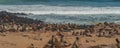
25	39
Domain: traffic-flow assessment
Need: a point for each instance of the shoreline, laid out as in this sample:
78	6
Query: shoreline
22	32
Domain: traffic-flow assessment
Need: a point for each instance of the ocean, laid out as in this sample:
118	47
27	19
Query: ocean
66	11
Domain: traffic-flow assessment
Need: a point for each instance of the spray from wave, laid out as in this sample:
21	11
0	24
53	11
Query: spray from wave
43	9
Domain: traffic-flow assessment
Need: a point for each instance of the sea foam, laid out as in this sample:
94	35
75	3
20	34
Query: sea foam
44	9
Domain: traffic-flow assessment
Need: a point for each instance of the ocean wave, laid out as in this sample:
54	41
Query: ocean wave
77	19
44	9
3	1
68	12
98	3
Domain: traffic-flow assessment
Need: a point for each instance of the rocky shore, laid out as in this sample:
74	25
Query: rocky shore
14	30
11	22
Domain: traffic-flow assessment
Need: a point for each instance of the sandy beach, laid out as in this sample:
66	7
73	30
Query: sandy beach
39	40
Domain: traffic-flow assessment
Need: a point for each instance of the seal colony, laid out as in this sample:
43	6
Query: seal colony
22	32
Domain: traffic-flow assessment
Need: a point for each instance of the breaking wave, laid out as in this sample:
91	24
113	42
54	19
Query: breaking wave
44	9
